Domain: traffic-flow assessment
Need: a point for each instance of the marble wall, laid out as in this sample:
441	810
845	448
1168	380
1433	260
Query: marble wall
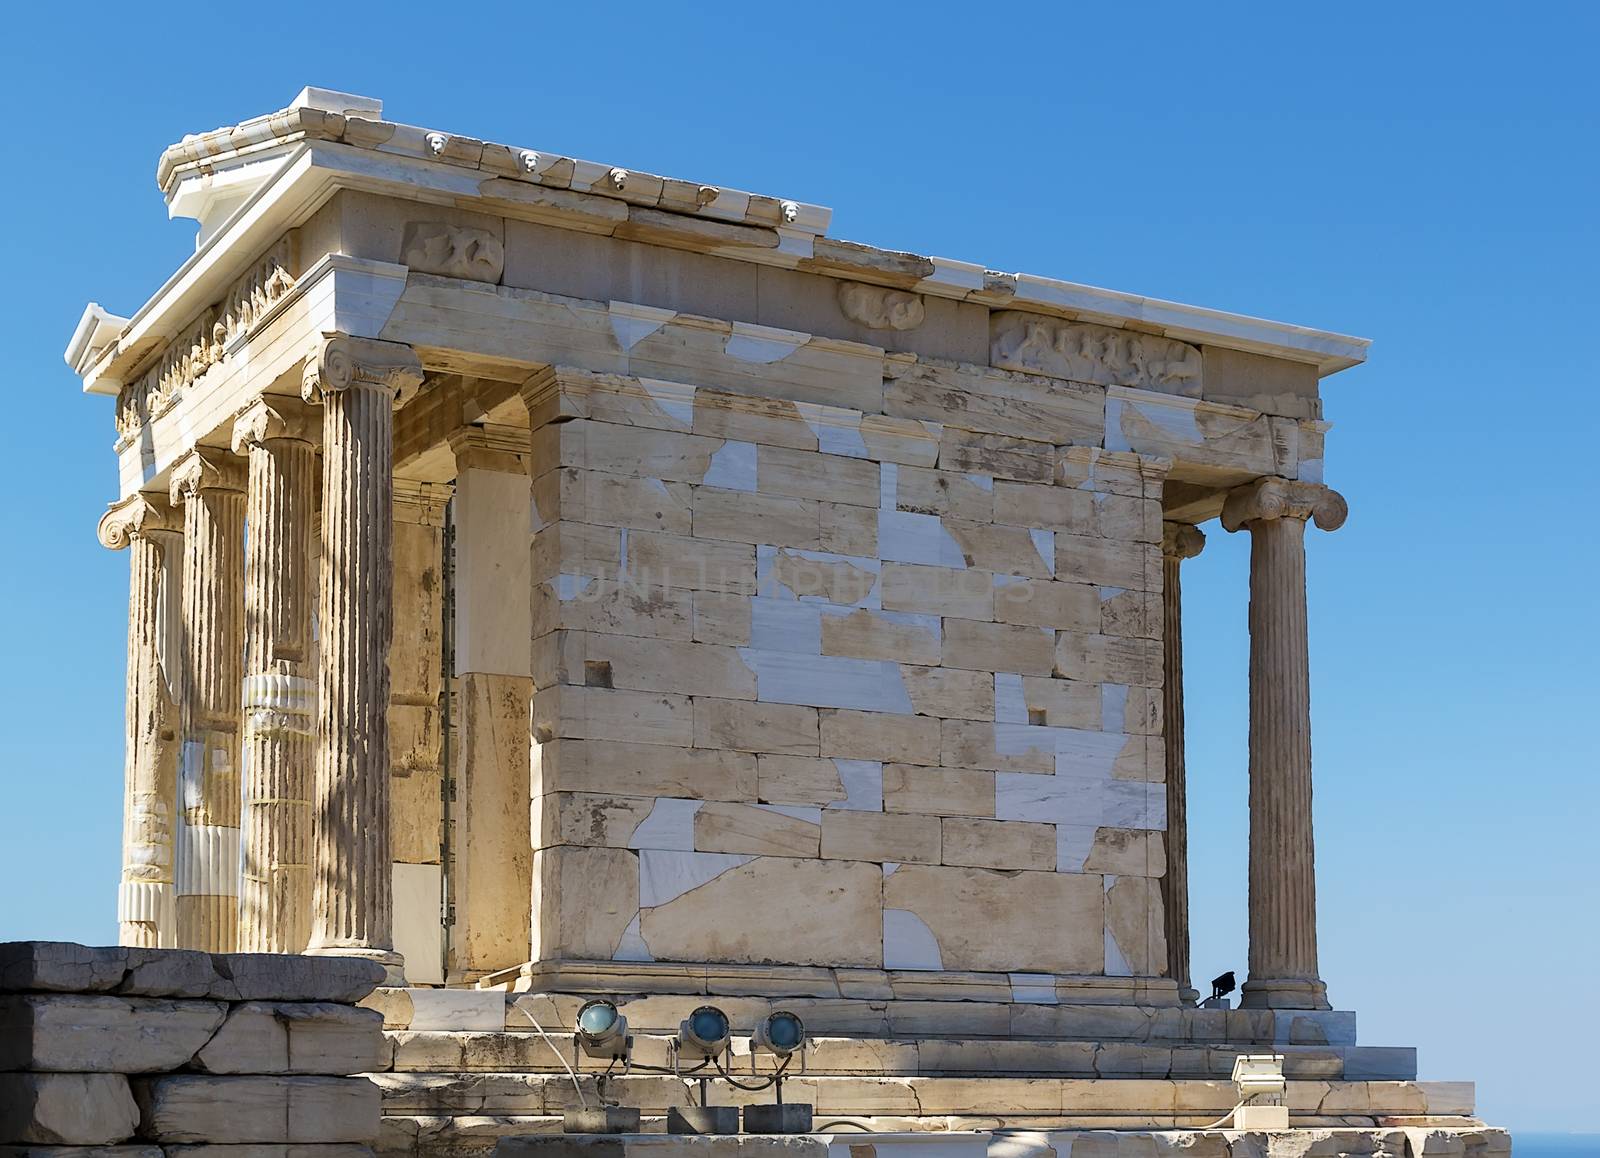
820	687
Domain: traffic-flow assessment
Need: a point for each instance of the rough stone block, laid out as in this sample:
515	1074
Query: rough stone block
751	913
170	973
998	647
281	977
939	791
999	844
270	1037
852	735
130	1150
949	692
61	966
192	1108
880	836
749	828
987	920
269	1150
70	1033
66	1109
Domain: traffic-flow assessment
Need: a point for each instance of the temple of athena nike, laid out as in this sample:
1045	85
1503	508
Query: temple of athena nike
555	581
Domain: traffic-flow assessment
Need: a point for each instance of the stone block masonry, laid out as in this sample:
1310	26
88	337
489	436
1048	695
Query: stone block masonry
917	680
151	1049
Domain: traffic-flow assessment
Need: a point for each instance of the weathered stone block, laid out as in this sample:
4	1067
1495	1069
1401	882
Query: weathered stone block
61	966
750	913
70	1033
880	836
262	1037
131	1150
749	828
988	920
852	735
66	1109
192	1108
998	647
938	791
999	844
280	977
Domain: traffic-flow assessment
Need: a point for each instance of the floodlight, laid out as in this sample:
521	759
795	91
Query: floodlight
1258	1073
1224	985
601	1030
779	1032
1259	1077
704	1033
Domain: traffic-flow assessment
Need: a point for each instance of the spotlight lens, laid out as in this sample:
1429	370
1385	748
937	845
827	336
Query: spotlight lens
597	1017
784	1030
708	1023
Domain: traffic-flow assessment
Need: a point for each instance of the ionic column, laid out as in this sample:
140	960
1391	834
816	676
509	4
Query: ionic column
279	690
1283	885
210	485
143	524
1179	541
358	381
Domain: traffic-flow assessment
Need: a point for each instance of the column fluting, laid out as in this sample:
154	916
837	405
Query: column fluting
1179	541
143	525
279	689
209	484
1283	885
358	382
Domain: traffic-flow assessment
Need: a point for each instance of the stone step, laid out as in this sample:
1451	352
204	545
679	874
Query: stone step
1353	1136
1139	1100
492	1010
449	1051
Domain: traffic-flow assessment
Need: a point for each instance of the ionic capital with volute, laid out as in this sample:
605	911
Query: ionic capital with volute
1281	498
269	419
205	468
138	514
341	362
1181	541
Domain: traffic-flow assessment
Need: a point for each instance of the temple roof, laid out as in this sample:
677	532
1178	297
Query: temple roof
243	183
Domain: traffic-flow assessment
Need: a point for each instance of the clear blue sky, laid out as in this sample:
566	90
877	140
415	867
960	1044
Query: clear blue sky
1421	175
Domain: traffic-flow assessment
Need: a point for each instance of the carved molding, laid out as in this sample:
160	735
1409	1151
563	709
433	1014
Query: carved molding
1181	541
1281	498
271	418
138	514
204	342
341	362
453	251
879	308
421	503
203	469
1095	354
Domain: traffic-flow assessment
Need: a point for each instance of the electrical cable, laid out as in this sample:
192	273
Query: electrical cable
583	1103
1217	1125
772	1079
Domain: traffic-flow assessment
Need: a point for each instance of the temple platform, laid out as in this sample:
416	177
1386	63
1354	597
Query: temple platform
470	1066
1399	1142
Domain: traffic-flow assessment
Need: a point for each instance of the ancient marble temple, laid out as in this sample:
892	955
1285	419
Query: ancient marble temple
551	579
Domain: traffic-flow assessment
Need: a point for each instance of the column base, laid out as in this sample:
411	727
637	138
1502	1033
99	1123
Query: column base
1188	997
1284	993
394	964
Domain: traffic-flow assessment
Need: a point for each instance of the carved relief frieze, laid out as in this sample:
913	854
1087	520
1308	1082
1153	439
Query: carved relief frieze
204	342
1096	354
880	308
453	251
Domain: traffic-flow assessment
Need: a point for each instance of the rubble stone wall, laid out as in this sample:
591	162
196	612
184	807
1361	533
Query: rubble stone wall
137	1051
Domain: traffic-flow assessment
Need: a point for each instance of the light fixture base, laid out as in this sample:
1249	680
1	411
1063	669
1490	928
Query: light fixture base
789	1118
606	1120
702	1119
1261	1118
